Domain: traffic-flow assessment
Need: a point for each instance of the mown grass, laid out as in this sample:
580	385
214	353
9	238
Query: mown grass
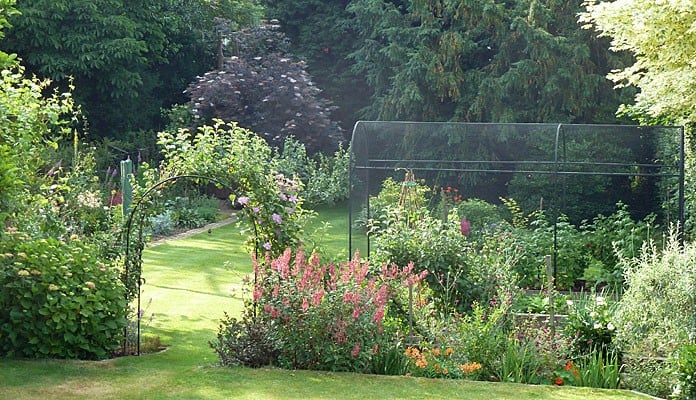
191	283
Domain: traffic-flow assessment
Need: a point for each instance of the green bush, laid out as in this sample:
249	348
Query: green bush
480	214
685	369
611	237
58	299
325	177
657	312
245	341
325	317
648	375
590	325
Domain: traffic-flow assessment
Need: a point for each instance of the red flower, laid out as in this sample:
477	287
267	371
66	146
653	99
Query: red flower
558	381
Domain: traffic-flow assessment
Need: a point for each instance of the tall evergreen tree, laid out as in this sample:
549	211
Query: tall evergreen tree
483	60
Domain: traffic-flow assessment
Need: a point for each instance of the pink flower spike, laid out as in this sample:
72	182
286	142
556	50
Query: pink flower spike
465	227
356	350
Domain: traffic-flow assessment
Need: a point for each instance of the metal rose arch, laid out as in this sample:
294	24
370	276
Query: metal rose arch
133	249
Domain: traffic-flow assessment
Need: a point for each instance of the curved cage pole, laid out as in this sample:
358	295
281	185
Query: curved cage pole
133	262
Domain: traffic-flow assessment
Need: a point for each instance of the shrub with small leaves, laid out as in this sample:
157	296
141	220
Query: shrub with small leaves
245	341
685	370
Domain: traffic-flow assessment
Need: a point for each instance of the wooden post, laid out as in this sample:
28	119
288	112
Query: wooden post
126	188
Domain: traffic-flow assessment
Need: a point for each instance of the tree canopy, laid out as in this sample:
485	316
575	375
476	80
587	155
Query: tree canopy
662	37
483	60
266	90
128	59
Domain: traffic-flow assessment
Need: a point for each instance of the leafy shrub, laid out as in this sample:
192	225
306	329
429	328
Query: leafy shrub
480	214
537	241
685	369
648	375
245	341
615	236
657	312
430	246
325	317
460	271
390	197
58	299
590	325
325	177
162	224
207	208
481	337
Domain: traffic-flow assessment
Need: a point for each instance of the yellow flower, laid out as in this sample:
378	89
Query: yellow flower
23	272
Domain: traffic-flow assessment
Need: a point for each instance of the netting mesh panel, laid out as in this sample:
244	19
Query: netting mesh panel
576	170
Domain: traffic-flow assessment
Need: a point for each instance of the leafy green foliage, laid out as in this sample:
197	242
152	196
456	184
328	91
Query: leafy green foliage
128	59
325	177
58	299
246	341
264	90
657	312
685	366
481	61
590	325
243	160
660	36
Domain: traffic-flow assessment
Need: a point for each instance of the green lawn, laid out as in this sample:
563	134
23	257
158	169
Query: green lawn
191	283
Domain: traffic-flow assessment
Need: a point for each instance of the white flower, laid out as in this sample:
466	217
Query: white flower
593	314
610	326
569	303
600	301
597	325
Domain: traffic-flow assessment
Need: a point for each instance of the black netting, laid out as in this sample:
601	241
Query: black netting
578	171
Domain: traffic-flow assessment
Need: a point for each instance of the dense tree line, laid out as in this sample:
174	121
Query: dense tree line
456	60
128	59
443	60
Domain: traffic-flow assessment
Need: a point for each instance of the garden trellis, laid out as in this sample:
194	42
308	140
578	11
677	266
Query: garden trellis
578	171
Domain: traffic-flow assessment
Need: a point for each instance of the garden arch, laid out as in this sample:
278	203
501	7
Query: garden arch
132	277
574	170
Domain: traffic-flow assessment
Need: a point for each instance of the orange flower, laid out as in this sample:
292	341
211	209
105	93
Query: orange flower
558	381
437	367
436	351
445	371
448	351
469	367
568	366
